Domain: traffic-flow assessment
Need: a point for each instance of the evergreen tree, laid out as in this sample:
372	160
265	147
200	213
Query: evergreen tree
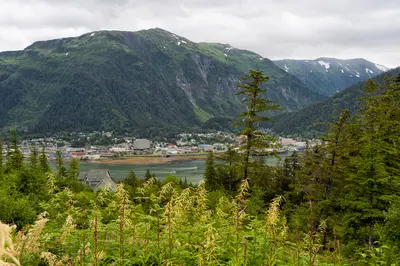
210	174
288	173
61	170
321	177
73	171
252	94
1	156
14	157
132	180
43	161
228	173
34	158
148	175
375	172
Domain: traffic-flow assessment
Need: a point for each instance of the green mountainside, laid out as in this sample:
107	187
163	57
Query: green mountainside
149	81
305	121
330	75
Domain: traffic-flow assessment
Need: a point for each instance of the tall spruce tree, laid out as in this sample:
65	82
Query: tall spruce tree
34	158
43	161
228	173
148	175
252	93
73	170
210	174
375	173
15	158
61	170
288	173
132	179
1	156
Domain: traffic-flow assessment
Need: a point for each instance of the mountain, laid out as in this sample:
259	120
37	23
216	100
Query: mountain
305	121
150	81
329	75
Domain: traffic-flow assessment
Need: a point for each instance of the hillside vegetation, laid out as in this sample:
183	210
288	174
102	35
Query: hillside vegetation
309	121
335	204
149	82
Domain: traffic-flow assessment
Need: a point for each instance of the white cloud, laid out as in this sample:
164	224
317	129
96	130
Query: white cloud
273	28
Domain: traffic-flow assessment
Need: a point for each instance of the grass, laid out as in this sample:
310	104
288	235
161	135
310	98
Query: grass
201	114
8	255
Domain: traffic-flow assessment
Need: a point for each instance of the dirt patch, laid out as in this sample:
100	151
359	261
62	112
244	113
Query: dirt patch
150	159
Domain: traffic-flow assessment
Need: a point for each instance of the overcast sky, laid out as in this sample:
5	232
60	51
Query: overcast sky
301	29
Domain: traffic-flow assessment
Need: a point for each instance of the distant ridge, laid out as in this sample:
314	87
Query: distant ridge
303	122
330	75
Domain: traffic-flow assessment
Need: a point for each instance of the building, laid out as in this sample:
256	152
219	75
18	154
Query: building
141	144
205	147
119	149
287	141
78	154
98	179
92	157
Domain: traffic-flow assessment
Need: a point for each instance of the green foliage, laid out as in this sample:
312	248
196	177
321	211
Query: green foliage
130	81
339	206
252	95
171	179
61	170
307	121
44	162
1	157
34	158
374	177
73	170
147	175
132	180
210	175
14	155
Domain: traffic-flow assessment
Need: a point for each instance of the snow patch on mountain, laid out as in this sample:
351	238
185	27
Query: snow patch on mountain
369	71
383	68
286	68
324	64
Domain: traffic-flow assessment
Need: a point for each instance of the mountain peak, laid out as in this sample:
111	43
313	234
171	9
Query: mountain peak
330	75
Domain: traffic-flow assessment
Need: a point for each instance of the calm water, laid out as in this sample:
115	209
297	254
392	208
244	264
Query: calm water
192	170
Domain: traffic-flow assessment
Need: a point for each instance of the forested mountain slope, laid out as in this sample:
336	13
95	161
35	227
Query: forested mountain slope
149	81
330	75
305	121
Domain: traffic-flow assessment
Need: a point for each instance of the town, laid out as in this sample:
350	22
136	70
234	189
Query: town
104	145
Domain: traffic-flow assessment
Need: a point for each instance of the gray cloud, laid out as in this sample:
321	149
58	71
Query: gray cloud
273	28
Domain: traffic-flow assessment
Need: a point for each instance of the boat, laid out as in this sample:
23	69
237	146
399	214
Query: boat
187	168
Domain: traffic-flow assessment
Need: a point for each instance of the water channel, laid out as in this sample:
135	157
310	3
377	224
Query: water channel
191	170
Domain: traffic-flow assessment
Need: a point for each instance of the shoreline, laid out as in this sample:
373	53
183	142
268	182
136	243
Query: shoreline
137	160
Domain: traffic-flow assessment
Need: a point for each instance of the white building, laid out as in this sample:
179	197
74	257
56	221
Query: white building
141	144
